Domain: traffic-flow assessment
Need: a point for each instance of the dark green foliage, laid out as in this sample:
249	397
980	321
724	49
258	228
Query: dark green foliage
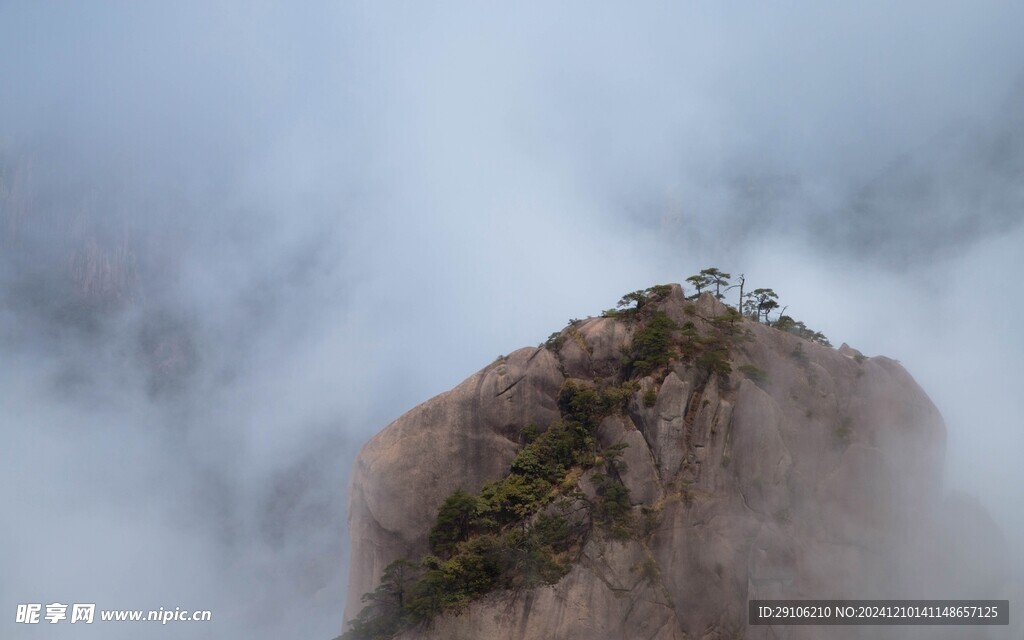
613	506
650	519
513	498
555	341
648	570
552	531
699	282
758	376
531	558
616	399
397	581
728	323
478	566
374	624
578	402
612	457
757	304
529	433
634	302
786	323
633	299
650	397
652	345
455	520
540	466
710	352
798	328
658	292
499	539
692	340
437	589
715	360
820	338
586	405
387	607
718	278
760	302
519	558
707	278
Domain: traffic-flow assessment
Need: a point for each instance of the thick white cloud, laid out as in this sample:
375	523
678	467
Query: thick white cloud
341	209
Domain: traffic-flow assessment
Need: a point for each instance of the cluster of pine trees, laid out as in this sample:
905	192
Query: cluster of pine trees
758	304
502	537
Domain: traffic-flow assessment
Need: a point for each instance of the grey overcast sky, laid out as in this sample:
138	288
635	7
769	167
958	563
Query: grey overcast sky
238	238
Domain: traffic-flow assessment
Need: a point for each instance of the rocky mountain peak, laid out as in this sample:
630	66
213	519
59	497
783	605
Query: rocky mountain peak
644	474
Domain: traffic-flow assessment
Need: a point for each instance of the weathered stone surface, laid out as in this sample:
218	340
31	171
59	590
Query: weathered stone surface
761	458
810	479
460	439
641	473
593	347
665	433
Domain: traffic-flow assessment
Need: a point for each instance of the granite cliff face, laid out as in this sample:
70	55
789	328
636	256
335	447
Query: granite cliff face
797	471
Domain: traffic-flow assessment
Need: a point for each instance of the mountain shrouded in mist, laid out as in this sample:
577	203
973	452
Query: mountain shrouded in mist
238	238
717	460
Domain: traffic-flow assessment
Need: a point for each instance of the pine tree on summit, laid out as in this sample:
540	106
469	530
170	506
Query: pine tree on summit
707	278
699	282
761	302
715	277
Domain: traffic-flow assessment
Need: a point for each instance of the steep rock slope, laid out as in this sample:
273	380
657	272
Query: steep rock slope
758	464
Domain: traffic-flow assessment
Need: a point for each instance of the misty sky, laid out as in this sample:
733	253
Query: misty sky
237	239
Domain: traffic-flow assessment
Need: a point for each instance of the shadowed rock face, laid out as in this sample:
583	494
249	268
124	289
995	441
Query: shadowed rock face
819	480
